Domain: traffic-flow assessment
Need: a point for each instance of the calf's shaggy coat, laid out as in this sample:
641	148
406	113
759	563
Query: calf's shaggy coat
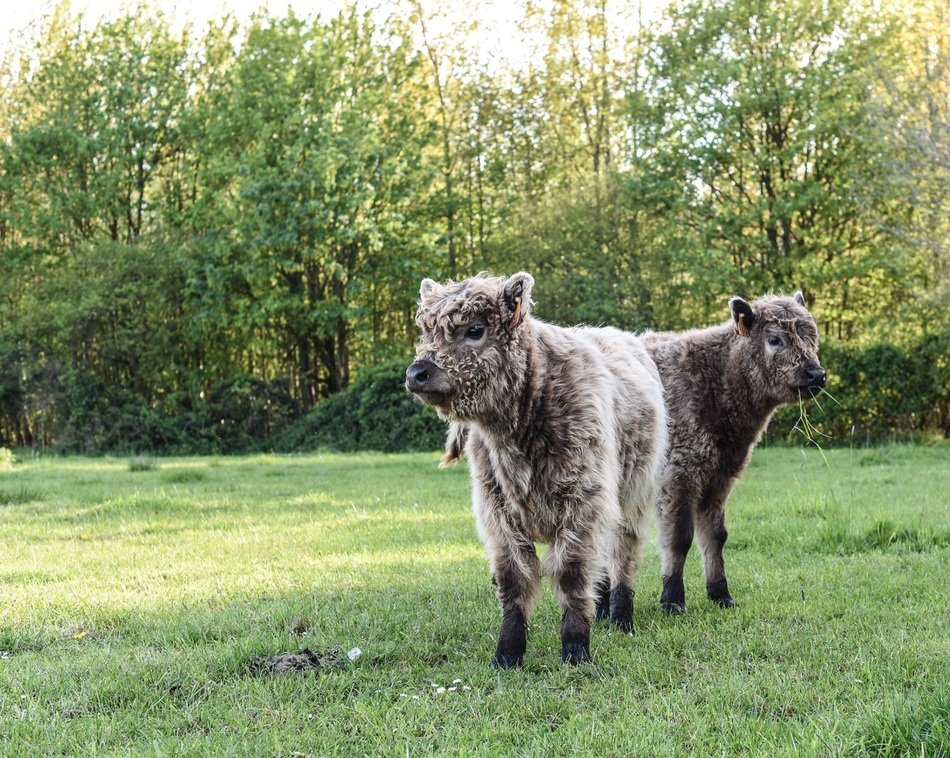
565	430
722	385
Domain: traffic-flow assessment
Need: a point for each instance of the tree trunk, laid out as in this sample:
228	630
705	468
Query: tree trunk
306	378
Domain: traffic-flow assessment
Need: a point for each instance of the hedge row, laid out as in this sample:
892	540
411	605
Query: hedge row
374	413
243	415
880	394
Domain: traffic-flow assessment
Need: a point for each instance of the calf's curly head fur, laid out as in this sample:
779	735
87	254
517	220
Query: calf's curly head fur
471	354
780	349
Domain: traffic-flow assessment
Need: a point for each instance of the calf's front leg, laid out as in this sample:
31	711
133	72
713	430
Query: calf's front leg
711	534
517	575
573	579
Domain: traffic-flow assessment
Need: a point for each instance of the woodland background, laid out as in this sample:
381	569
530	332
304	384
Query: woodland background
211	238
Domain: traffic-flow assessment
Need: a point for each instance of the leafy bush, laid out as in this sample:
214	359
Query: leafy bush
373	413
237	415
94	417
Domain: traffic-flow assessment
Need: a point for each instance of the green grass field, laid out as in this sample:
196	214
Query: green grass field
133	602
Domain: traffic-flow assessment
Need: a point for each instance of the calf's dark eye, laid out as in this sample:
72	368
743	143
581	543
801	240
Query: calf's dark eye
775	341
475	332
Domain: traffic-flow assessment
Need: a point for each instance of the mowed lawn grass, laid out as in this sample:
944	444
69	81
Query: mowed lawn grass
132	604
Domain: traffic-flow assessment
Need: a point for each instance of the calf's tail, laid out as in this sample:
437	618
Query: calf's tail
454	445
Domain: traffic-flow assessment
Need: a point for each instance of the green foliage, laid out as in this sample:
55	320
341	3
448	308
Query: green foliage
7	459
772	158
94	417
237	415
206	231
373	413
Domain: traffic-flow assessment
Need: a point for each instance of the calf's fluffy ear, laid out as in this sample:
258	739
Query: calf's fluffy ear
426	288
742	315
517	297
800	298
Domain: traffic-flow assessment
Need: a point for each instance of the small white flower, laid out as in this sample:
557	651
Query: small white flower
403	694
453	689
415	697
456	681
466	688
354	654
440	690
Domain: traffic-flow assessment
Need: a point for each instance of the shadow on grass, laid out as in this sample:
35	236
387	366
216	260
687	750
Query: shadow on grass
184	476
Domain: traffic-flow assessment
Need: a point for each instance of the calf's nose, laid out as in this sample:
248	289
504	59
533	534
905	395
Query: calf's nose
816	377
417	375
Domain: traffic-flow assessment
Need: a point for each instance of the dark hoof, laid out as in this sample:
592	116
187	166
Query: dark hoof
624	626
506	660
673	598
575	653
718	592
621	609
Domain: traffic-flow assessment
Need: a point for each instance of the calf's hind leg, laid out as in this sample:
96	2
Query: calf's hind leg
602	611
624	564
711	534
676	537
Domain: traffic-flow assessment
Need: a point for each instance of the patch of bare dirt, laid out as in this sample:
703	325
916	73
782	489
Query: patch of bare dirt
305	660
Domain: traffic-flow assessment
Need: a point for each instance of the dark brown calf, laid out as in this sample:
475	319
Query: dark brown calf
722	385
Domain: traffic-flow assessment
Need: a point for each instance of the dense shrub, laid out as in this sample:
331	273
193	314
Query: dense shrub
237	415
884	392
93	417
373	413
